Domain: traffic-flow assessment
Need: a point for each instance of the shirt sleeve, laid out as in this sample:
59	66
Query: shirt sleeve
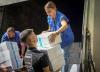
64	18
18	33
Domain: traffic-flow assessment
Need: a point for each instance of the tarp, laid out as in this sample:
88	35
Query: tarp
7	2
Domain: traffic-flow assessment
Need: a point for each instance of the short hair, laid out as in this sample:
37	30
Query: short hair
50	4
24	34
10	29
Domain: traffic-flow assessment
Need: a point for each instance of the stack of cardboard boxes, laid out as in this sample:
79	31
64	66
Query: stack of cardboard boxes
9	55
53	49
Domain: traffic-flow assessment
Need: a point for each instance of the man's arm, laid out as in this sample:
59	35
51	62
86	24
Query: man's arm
63	27
23	47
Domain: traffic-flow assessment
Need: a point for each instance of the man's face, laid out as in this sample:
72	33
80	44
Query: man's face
32	39
51	12
11	34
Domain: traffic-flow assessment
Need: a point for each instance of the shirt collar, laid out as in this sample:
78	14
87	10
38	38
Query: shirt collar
32	48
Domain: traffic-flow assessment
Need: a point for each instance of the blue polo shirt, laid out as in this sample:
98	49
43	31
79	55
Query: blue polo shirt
16	38
67	36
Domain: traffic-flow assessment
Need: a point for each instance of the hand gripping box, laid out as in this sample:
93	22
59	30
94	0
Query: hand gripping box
44	40
10	52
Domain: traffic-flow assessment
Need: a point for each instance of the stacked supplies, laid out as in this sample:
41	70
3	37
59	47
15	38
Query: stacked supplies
10	55
53	49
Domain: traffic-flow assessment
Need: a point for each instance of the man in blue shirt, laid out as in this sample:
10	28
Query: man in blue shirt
13	36
59	24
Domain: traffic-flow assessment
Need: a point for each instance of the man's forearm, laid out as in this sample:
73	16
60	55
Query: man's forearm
63	27
23	49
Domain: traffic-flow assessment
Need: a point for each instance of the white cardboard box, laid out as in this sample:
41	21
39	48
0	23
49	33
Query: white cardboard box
43	40
53	52
56	56
5	59
58	62
13	50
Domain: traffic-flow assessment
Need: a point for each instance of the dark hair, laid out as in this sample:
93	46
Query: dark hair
10	29
50	4
24	34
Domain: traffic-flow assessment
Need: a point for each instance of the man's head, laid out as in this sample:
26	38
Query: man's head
11	32
29	37
50	9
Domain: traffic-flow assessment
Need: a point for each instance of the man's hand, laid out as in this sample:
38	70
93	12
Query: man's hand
53	36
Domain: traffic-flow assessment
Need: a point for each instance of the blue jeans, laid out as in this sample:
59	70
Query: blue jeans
67	66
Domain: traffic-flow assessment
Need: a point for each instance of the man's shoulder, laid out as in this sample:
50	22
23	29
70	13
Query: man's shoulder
35	55
17	33
36	52
60	14
4	37
5	34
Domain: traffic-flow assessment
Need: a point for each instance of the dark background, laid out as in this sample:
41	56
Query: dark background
31	14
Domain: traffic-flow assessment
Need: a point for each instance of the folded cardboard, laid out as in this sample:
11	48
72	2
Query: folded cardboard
44	40
12	48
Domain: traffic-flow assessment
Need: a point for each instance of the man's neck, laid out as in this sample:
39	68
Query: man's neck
32	46
54	17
